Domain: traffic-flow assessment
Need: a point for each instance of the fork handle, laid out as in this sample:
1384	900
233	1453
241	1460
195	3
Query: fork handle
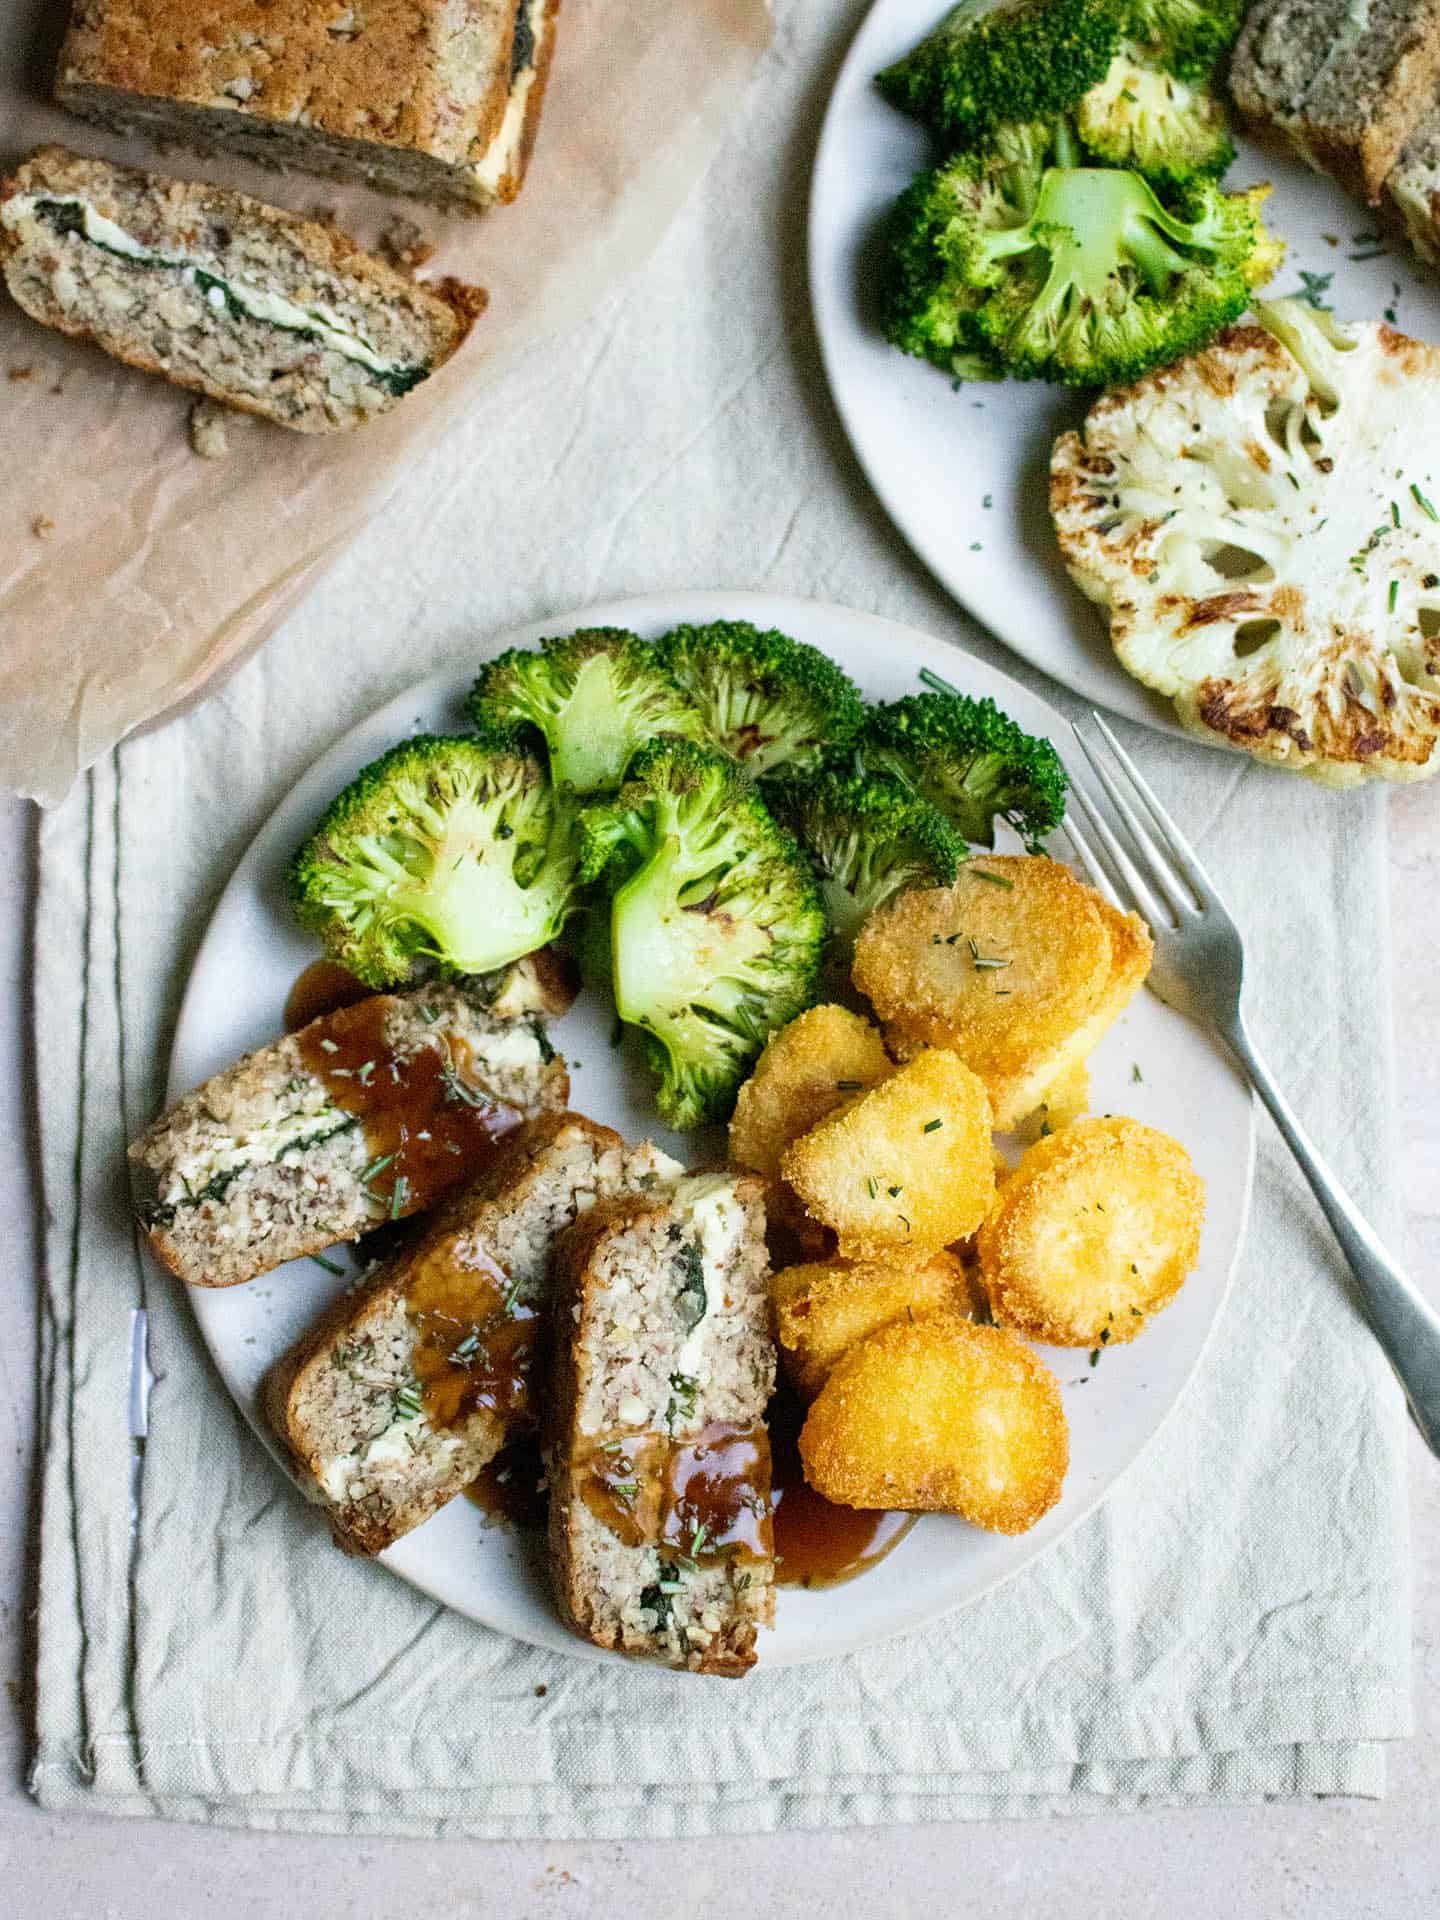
1404	1322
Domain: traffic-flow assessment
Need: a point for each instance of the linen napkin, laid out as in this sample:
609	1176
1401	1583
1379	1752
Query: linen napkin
1232	1622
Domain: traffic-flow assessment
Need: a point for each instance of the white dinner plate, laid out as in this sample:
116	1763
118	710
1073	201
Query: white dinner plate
252	953
963	474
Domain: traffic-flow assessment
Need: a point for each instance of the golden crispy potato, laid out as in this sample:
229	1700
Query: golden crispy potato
822	1059
1093	1232
1066	1101
823	1307
1020	978
904	1168
940	1416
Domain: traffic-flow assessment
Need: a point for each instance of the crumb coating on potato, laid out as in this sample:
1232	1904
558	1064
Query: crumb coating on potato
824	1307
938	1415
905	1168
817	1063
1019	968
1093	1233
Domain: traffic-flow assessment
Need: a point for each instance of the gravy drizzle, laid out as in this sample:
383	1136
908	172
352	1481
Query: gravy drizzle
476	1344
706	1498
428	1124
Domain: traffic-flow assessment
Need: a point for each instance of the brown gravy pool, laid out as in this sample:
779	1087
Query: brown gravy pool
511	1490
818	1544
322	988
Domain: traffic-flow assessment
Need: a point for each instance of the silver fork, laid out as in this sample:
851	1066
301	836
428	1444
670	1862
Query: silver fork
1199	970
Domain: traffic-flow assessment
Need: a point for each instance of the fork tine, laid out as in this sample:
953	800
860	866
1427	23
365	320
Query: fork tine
1162	879
1099	879
1182	854
1140	893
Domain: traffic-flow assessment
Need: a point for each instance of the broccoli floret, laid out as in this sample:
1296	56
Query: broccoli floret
1186	37
1143	117
450	850
595	696
971	762
927	309
716	923
1100	282
773	703
870	839
993	61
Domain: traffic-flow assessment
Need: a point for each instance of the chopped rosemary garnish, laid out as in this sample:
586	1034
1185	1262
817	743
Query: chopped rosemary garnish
849	1086
329	1046
1392	596
932	1126
1424	505
399	1194
409	1401
376	1166
993	879
328	1265
458	1089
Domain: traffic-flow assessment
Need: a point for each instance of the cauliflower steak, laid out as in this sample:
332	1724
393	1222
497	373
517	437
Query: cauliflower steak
1259	523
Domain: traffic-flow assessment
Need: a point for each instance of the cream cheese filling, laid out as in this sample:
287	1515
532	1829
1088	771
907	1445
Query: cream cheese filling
718	1220
504	149
320	322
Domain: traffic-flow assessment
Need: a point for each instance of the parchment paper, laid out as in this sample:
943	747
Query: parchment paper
132	572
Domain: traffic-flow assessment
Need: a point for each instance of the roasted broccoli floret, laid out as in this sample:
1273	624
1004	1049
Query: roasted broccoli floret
928	309
595	696
716	922
1144	117
971	762
1099	283
450	850
869	839
992	61
1187	37
773	703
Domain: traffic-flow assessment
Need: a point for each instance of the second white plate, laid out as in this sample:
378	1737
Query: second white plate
252	953
964	474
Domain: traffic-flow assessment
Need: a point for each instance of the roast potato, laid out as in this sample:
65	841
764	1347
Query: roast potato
823	1307
1093	1232
1065	1102
817	1063
1019	968
904	1168
938	1415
